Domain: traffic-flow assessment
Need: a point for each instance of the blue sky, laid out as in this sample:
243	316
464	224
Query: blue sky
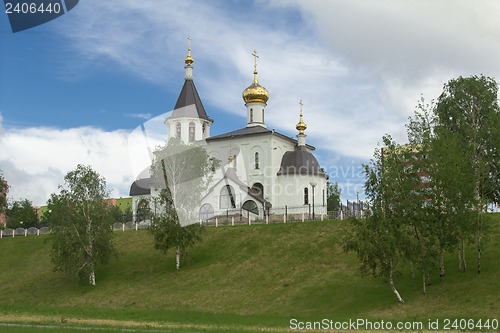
73	89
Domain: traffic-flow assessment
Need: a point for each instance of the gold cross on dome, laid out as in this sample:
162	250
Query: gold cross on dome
189	42
301	106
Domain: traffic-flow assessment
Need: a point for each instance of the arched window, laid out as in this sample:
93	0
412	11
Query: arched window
306	196
258	189
251	115
227	199
263	115
191	132
206	212
178	130
256	160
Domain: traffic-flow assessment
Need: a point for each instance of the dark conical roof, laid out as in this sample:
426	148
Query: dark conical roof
189	97
300	162
143	186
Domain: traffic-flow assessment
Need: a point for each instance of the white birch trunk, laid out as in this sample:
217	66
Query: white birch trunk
177	258
459	257
92	278
393	287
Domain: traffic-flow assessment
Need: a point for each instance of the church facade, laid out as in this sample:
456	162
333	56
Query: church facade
263	172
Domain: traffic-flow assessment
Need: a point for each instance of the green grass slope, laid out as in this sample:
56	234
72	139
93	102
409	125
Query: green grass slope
252	276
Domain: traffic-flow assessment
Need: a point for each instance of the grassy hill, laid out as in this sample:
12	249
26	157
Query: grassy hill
240	278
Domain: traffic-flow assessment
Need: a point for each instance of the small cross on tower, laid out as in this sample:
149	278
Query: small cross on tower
255	56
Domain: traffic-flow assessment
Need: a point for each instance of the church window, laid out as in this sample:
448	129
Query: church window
256	160
227	199
262	115
251	115
206	212
191	132
258	189
306	196
178	130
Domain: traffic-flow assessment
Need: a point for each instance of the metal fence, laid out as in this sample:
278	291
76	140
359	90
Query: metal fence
23	232
232	217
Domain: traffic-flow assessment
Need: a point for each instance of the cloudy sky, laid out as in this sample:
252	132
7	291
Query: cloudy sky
72	90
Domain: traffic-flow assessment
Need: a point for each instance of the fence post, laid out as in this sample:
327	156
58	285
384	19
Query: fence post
267	219
249	220
37	232
123	226
232	221
216	222
1	233
341	215
302	217
136	226
25	232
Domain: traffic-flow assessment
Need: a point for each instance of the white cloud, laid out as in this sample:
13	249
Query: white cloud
144	116
35	160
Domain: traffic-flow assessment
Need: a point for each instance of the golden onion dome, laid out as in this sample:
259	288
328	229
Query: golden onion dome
189	60
255	93
301	126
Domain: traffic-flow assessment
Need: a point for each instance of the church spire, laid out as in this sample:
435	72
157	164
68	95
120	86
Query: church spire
301	127
255	93
188	60
255	97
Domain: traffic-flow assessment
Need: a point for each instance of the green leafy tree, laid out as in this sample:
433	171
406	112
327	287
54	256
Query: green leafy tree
186	171
384	238
169	233
21	213
468	108
80	221
445	187
333	196
119	215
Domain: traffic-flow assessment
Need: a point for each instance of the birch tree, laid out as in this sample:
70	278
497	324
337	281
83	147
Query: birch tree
445	184
384	239
186	171
468	107
81	225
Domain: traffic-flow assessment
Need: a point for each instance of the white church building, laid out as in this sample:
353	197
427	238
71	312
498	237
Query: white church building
263	172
